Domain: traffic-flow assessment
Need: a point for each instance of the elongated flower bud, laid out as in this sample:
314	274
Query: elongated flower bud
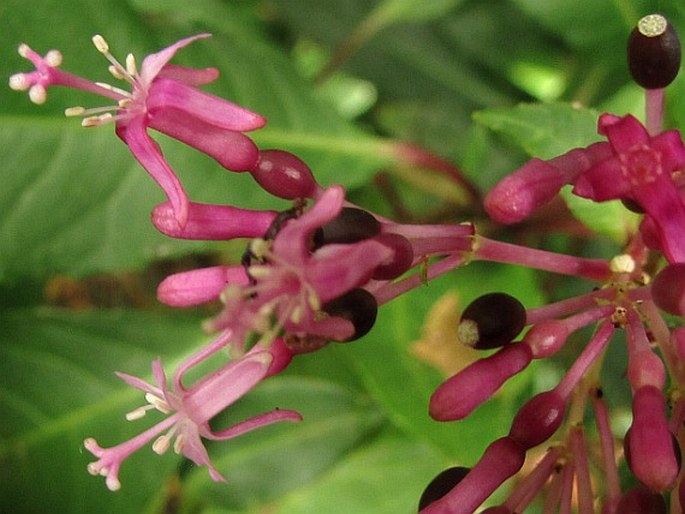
501	460
459	395
668	289
641	500
649	443
538	419
284	175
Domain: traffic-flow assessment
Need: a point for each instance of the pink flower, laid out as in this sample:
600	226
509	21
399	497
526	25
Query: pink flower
285	283
190	408
162	97
641	169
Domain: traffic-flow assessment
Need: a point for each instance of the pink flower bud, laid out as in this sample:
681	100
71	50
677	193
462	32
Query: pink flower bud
459	395
519	194
501	460
284	175
538	419
649	443
546	338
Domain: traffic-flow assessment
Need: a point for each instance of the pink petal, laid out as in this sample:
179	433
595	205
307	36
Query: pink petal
623	133
292	243
255	422
148	154
153	63
199	286
670	146
212	222
214	393
190	76
603	182
230	148
213	110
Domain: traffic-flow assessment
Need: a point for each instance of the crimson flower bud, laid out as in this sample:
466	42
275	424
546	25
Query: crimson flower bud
501	460
459	395
284	175
538	419
650	450
546	338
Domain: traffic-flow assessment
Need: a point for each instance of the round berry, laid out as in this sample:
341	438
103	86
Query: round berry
491	320
654	52
441	485
350	226
357	306
403	256
284	175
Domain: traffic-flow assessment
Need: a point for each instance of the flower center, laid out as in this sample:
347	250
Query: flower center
641	165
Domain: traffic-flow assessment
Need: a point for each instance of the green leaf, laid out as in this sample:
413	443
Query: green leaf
543	130
385	477
57	387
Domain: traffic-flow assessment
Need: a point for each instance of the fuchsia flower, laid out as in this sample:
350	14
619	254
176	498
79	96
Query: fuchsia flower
642	169
189	409
162	97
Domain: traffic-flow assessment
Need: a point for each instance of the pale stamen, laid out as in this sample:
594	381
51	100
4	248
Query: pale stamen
120	71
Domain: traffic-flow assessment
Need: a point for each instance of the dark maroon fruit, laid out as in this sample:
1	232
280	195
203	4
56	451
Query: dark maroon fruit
441	485
491	320
654	52
357	306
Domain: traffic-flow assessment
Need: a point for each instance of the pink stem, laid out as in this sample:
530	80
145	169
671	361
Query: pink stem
654	110
564	307
490	250
606	440
584	487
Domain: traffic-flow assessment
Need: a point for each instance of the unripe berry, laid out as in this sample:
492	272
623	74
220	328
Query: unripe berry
491	320
538	419
640	500
284	175
654	52
357	306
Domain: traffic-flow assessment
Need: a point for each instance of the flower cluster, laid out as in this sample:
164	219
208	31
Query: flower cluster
316	273
642	167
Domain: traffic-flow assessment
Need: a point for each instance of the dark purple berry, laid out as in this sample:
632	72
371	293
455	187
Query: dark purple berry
441	485
350	226
357	306
654	52
491	320
402	259
284	175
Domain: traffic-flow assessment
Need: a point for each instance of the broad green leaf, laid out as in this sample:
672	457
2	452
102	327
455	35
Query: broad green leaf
57	387
385	477
543	130
76	202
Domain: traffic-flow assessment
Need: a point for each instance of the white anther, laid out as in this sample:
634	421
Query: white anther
179	444
53	58
19	82
75	111
100	44
131	67
260	247
93	468
110	87
113	484
137	413
96	121
257	271
313	301
116	72
296	315
125	103
622	264
161	445
24	50
38	94
157	403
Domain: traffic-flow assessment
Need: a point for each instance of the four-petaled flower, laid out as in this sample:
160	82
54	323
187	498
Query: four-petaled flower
163	97
642	169
189	409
